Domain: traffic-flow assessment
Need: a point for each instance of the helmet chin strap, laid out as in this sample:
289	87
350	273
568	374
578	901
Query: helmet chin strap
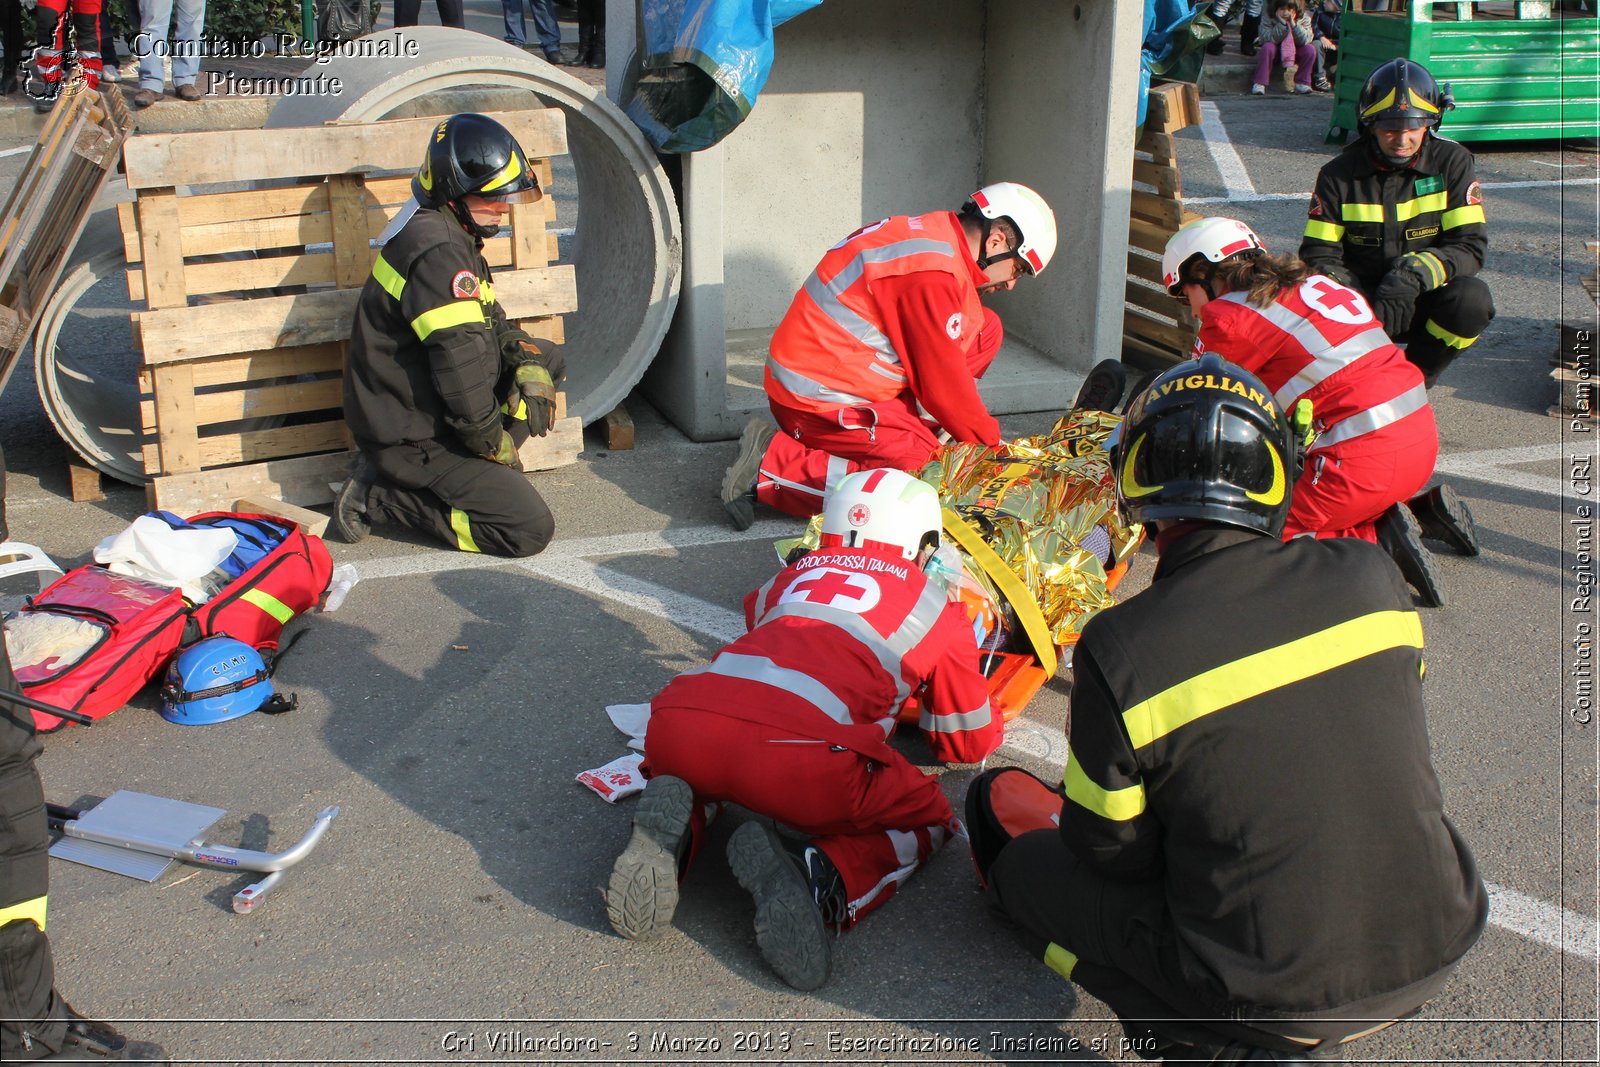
472	226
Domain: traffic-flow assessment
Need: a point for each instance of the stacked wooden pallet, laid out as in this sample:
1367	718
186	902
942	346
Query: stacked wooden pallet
252	294
47	208
1157	330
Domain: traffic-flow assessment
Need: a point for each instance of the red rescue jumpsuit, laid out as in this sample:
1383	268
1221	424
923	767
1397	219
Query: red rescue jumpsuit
890	319
1376	439
792	719
50	24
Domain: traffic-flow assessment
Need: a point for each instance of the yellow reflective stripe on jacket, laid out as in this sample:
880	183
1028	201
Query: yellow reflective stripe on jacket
1273	668
485	291
1433	265
1463	216
1318	230
1454	340
1060	960
1410	209
455	313
1361	212
269	604
29	910
1118	805
388	277
463	529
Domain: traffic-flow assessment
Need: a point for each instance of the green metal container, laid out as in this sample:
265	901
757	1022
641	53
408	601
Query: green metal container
1518	71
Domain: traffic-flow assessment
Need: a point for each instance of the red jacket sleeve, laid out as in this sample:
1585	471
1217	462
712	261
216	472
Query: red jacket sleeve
1225	330
915	309
955	714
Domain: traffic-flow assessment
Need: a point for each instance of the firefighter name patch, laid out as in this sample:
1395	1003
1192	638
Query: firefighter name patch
464	285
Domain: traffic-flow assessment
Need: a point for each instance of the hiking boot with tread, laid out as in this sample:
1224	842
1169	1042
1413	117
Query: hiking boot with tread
739	483
90	1041
1444	516
643	891
1401	536
789	927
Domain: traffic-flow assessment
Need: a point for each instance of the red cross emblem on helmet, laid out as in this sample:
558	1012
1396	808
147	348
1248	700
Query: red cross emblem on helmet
859	515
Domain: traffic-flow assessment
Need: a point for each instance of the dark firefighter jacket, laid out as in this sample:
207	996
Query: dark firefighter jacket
1365	214
1249	731
423	360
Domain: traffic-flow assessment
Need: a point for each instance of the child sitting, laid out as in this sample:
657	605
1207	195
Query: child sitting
1285	42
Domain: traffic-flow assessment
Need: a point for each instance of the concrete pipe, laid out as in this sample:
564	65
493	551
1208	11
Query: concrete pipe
86	375
627	248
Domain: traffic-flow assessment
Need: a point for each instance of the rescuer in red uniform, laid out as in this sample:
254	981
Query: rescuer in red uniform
792	721
882	348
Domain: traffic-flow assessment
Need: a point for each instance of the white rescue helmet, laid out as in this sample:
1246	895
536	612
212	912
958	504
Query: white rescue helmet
882	509
1034	221
1214	238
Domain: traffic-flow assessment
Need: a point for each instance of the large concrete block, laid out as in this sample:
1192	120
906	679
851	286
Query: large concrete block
883	107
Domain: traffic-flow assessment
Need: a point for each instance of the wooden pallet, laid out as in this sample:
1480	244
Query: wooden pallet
251	296
1157	331
47	208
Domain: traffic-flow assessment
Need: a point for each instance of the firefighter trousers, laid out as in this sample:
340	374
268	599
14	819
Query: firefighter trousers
1446	322
34	1017
811	451
468	502
877	820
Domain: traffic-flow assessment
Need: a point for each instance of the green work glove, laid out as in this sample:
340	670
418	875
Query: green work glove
506	453
538	395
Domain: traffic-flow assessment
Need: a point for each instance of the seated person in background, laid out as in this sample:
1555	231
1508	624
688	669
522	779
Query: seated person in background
882	348
1399	216
1285	43
1311	339
792	721
1325	39
1250	850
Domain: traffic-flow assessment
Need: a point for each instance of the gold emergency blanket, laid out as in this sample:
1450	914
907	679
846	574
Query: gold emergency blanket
1036	515
1037	503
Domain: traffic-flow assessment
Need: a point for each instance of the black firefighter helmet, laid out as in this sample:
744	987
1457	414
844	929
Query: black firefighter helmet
1401	93
472	154
1206	441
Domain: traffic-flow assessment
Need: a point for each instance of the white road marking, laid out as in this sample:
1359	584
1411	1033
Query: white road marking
569	563
1549	924
1495	466
1235	179
16	151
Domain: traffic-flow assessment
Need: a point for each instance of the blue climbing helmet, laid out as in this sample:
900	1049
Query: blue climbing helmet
214	680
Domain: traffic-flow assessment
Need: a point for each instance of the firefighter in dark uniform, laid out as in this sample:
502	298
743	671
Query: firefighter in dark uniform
1399	215
439	389
36	1023
1251	846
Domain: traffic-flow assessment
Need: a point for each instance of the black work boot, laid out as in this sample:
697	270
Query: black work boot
739	483
1430	356
350	518
89	1041
1444	516
1401	537
794	896
643	891
1218	44
1102	389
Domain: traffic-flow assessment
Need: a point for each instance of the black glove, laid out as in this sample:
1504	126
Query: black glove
1395	300
484	439
506	452
538	396
518	347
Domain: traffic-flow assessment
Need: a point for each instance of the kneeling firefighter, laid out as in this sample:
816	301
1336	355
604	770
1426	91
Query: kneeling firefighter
440	389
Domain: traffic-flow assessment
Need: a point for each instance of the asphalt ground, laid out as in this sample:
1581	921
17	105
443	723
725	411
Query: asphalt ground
453	913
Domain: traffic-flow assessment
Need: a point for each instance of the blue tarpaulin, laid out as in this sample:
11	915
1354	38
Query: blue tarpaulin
704	63
1175	33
